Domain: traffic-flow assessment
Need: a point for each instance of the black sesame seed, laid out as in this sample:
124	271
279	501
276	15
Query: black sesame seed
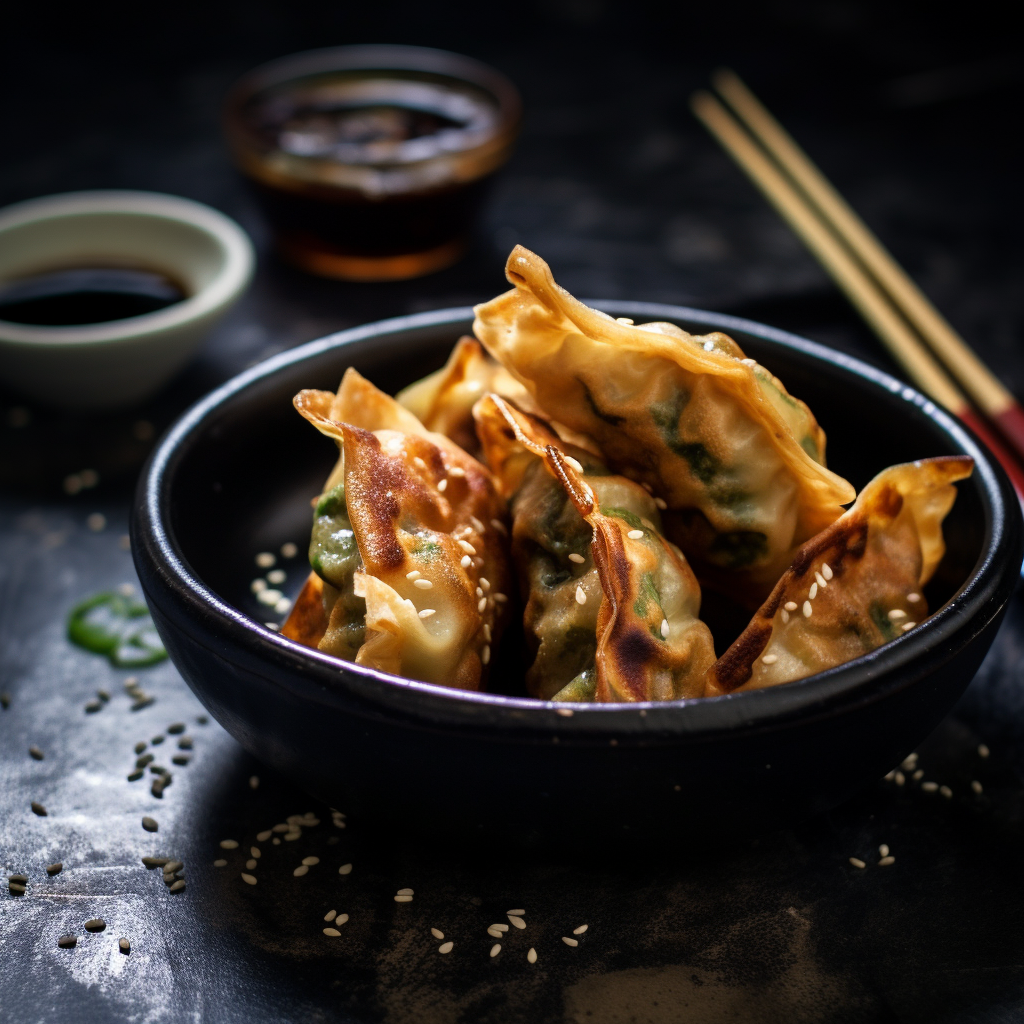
154	862
92	707
17	878
185	743
150	824
103	695
67	941
38	809
180	759
140	747
35	753
178	885
176	729
16	888
144	760
54	869
5	701
157	769
95	924
124	945
136	775
203	720
157	740
173	865
143	703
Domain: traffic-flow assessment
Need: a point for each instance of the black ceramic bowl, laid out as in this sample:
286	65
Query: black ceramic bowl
235	477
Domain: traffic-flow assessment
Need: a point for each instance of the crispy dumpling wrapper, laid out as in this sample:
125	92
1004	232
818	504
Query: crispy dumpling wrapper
855	586
412	570
738	461
611	606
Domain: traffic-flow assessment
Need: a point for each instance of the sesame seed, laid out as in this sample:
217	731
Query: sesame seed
518	922
54	869
807	609
425	613
443	486
983	750
403	899
899	778
770	659
269	597
565	712
813	592
664	629
570	942
331	932
437	933
150	824
412	575
248	879
909	761
467	547
624	320
456	471
423	584
310	862
826	570
635	535
330	915
500	928
574	463
485	655
67	941
289	550
478	562
785	616
820	580
578	559
883	850
496	949
531	956
913	598
419	462
499	526
265	560
907	626
39	809
500	598
93	706
16	888
579	931
95	924
35	753
487	632
276	576
178	885
156	862
485	583
588	489
229	844
581	595
250	864
341	919
886	861
946	792
446	947
17	878
96	522
709	346
791	606
660	503
479	592
896	614
518	913
466	562
406	892
493	932
918	775
124	945
345	869
264	836
975	785
929	787
857	862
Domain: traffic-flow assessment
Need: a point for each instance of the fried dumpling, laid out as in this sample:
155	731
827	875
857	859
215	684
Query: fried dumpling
855	586
443	401
611	606
737	461
408	563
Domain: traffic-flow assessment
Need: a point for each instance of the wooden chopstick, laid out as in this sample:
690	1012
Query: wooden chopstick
988	393
874	305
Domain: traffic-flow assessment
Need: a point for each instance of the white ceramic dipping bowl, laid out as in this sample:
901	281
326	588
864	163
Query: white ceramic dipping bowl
119	362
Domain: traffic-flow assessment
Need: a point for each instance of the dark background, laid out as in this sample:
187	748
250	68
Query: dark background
913	111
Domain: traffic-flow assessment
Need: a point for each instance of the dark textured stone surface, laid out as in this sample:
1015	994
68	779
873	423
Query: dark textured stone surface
624	194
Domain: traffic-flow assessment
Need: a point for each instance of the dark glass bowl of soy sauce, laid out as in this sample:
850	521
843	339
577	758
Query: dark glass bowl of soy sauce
371	162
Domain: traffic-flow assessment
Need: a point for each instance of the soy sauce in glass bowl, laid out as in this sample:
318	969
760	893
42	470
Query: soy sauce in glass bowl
371	162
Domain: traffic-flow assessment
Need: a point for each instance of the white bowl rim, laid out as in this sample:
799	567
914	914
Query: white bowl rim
229	282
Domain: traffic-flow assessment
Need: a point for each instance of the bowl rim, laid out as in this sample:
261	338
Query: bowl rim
238	261
321	678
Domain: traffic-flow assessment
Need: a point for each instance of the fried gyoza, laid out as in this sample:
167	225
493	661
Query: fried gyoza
411	570
611	606
738	462
855	586
443	401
